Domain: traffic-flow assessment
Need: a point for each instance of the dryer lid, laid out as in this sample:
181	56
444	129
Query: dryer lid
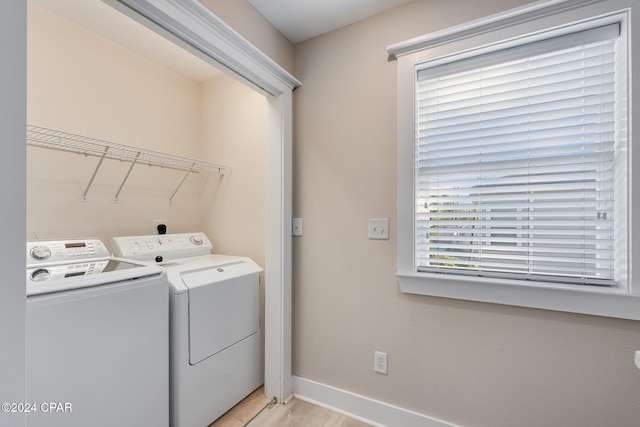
223	308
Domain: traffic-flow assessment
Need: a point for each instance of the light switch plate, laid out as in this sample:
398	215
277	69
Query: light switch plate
297	227
379	228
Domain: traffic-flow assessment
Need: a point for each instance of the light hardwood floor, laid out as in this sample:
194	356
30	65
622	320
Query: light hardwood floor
252	412
297	413
243	412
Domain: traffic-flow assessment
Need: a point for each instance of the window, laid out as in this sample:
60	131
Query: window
514	177
516	162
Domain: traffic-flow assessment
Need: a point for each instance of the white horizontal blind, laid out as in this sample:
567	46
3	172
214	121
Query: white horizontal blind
515	162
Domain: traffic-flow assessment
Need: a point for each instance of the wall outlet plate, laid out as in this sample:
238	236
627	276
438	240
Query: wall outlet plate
381	362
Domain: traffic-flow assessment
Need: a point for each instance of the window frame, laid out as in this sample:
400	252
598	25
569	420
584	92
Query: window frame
510	28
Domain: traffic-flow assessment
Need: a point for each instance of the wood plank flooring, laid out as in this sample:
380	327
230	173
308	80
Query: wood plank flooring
297	413
252	412
243	412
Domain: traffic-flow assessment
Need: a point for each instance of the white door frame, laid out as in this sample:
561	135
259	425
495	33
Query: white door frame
196	29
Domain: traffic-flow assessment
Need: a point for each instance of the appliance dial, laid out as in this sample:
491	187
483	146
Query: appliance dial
40	252
196	241
40	275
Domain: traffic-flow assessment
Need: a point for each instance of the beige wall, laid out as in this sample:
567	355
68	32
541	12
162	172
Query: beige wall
234	123
83	83
468	363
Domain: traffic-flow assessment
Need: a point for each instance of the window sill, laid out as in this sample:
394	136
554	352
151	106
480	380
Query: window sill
596	302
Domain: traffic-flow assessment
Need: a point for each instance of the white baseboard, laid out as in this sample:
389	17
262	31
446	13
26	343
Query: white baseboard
361	408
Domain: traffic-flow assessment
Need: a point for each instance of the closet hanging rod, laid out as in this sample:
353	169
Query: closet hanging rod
59	140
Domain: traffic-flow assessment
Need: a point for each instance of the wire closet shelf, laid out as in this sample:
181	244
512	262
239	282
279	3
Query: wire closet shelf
59	140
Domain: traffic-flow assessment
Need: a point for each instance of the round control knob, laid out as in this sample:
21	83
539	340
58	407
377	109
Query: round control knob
196	241
158	258
40	275
40	252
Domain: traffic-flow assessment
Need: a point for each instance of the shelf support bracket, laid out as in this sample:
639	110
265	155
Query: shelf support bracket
95	172
126	177
181	182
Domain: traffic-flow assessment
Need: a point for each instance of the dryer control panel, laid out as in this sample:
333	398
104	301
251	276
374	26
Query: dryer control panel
162	247
47	252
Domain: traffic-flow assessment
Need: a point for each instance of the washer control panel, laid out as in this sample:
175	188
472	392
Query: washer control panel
47	252
162	247
64	271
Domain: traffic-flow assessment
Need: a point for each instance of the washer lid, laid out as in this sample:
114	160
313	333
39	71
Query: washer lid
62	277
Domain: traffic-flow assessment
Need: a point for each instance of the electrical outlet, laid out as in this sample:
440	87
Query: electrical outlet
159	224
381	362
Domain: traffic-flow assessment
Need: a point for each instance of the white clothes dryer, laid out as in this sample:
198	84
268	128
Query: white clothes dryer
215	350
97	335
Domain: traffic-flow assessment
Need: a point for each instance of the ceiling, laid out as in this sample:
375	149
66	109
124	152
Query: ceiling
300	20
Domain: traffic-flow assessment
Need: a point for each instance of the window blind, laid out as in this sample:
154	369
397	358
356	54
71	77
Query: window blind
515	162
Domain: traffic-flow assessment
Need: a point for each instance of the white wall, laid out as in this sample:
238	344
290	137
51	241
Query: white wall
472	364
12	208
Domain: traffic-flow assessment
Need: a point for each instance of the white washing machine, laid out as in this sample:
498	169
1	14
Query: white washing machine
215	354
97	338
